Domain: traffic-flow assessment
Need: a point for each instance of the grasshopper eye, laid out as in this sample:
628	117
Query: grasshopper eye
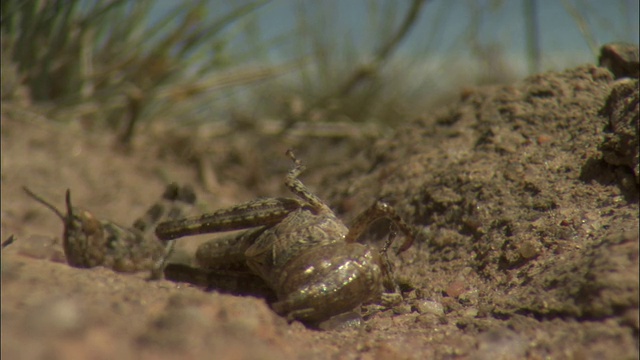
90	225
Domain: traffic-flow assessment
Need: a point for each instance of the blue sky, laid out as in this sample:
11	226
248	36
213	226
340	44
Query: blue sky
504	24
570	32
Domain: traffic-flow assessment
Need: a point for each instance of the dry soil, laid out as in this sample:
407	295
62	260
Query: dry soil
525	197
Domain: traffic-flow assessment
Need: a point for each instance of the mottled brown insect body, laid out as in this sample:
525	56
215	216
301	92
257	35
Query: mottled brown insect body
329	280
300	249
89	242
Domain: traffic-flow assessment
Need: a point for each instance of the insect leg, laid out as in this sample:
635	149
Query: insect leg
378	210
297	187
222	281
255	213
227	252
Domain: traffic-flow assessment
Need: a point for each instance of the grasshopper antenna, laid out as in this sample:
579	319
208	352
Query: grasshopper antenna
68	201
48	204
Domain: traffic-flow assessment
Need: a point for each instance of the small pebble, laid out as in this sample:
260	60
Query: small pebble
345	321
429	307
543	139
528	250
455	289
402	309
470	312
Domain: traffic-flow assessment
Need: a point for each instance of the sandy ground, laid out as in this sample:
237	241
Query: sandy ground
525	197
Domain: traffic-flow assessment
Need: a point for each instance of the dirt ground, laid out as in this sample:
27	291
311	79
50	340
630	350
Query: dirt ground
525	198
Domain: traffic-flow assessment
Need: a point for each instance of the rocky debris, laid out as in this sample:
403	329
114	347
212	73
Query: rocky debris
621	59
620	145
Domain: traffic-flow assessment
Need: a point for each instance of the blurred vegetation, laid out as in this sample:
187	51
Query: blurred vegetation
104	62
116	64
355	90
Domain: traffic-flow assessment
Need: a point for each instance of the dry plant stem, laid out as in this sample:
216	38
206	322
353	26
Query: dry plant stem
532	27
368	71
583	25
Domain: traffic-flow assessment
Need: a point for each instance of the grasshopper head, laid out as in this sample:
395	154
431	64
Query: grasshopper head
83	237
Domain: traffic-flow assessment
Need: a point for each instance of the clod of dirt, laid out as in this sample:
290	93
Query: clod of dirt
530	187
611	281
620	145
429	307
621	58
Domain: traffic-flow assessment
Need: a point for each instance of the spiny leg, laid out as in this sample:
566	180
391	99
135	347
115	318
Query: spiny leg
255	213
297	187
379	210
228	252
262	212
